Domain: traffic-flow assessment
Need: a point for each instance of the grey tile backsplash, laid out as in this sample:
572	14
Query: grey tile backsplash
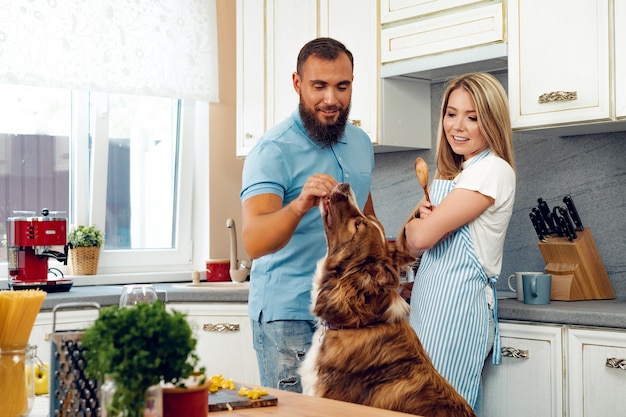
591	168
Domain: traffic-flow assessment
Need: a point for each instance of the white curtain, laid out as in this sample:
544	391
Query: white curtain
148	47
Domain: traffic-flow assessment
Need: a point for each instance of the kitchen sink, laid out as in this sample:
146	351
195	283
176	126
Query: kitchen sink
226	285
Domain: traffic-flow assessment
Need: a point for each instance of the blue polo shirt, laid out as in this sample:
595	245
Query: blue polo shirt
280	163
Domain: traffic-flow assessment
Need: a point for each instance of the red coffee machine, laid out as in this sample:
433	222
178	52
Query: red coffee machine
29	242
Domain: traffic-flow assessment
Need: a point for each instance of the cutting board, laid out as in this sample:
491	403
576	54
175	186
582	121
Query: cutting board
218	400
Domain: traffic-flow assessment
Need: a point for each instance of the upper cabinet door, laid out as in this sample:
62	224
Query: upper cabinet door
558	62
270	34
355	24
290	24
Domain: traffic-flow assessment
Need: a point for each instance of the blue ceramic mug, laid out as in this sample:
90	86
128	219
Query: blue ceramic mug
537	288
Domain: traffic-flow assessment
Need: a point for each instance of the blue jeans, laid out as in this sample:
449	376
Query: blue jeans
280	348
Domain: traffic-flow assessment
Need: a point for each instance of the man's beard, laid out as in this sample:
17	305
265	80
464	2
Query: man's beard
321	133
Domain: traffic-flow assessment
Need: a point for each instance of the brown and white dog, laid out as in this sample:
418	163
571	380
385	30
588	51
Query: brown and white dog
364	350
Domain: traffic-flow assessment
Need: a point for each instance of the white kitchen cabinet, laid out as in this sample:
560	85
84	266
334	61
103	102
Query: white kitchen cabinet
529	381
395	113
394	10
355	24
434	40
443	33
224	335
559	62
620	58
269	37
596	373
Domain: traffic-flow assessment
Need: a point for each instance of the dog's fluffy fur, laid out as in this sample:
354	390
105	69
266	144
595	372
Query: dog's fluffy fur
364	350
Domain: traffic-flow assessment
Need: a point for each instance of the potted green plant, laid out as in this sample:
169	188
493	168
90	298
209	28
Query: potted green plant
138	347
84	243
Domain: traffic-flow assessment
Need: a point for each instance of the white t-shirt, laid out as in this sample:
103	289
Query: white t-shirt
494	177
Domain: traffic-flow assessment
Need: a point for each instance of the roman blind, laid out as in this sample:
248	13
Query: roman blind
148	47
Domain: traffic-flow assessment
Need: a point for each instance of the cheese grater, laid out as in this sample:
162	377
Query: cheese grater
72	394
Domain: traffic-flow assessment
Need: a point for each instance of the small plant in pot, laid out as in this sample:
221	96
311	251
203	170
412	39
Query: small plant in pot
138	347
84	243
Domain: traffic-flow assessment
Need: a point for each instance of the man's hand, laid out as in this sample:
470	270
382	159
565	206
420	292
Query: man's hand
316	186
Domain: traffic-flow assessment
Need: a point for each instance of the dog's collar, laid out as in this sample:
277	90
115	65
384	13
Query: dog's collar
331	326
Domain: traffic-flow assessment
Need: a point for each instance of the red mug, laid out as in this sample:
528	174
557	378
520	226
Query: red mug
217	270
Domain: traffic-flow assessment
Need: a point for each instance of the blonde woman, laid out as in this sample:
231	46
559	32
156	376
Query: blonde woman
460	237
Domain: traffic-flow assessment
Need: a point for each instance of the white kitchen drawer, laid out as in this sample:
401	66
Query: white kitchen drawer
455	31
394	10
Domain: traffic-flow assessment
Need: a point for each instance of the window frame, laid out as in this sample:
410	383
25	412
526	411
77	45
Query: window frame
88	196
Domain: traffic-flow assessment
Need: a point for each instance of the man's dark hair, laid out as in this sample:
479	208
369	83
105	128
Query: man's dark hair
323	48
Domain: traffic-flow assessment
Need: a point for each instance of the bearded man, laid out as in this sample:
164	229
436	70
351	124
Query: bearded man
292	167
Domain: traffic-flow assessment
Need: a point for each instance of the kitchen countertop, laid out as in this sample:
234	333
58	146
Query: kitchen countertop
591	313
594	313
106	295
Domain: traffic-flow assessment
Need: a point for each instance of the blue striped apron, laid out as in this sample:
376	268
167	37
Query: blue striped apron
449	310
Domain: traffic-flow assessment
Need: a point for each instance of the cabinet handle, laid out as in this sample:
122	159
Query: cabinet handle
356	123
249	135
616	363
558	96
511	352
220	327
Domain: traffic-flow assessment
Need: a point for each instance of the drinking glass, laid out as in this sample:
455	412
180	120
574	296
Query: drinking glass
135	294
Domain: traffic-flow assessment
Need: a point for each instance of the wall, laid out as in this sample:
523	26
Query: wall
224	168
590	168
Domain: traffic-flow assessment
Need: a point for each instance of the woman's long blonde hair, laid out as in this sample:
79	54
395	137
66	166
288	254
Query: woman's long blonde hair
492	110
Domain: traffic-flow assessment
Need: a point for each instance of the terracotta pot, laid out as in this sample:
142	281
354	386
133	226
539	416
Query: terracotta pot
188	402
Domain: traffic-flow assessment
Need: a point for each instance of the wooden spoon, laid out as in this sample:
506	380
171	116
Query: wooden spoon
421	170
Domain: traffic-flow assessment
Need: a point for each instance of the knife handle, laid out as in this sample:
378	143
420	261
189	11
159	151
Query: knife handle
539	222
555	219
544	210
565	229
569	203
568	222
535	221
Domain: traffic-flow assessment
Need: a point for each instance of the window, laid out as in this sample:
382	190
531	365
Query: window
122	162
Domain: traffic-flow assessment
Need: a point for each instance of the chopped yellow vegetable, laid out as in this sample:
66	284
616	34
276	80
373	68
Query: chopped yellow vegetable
217	382
252	394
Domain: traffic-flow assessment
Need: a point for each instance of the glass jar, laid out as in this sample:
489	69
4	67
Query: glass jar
17	380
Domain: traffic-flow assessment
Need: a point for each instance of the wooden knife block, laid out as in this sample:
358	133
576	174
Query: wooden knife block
577	270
